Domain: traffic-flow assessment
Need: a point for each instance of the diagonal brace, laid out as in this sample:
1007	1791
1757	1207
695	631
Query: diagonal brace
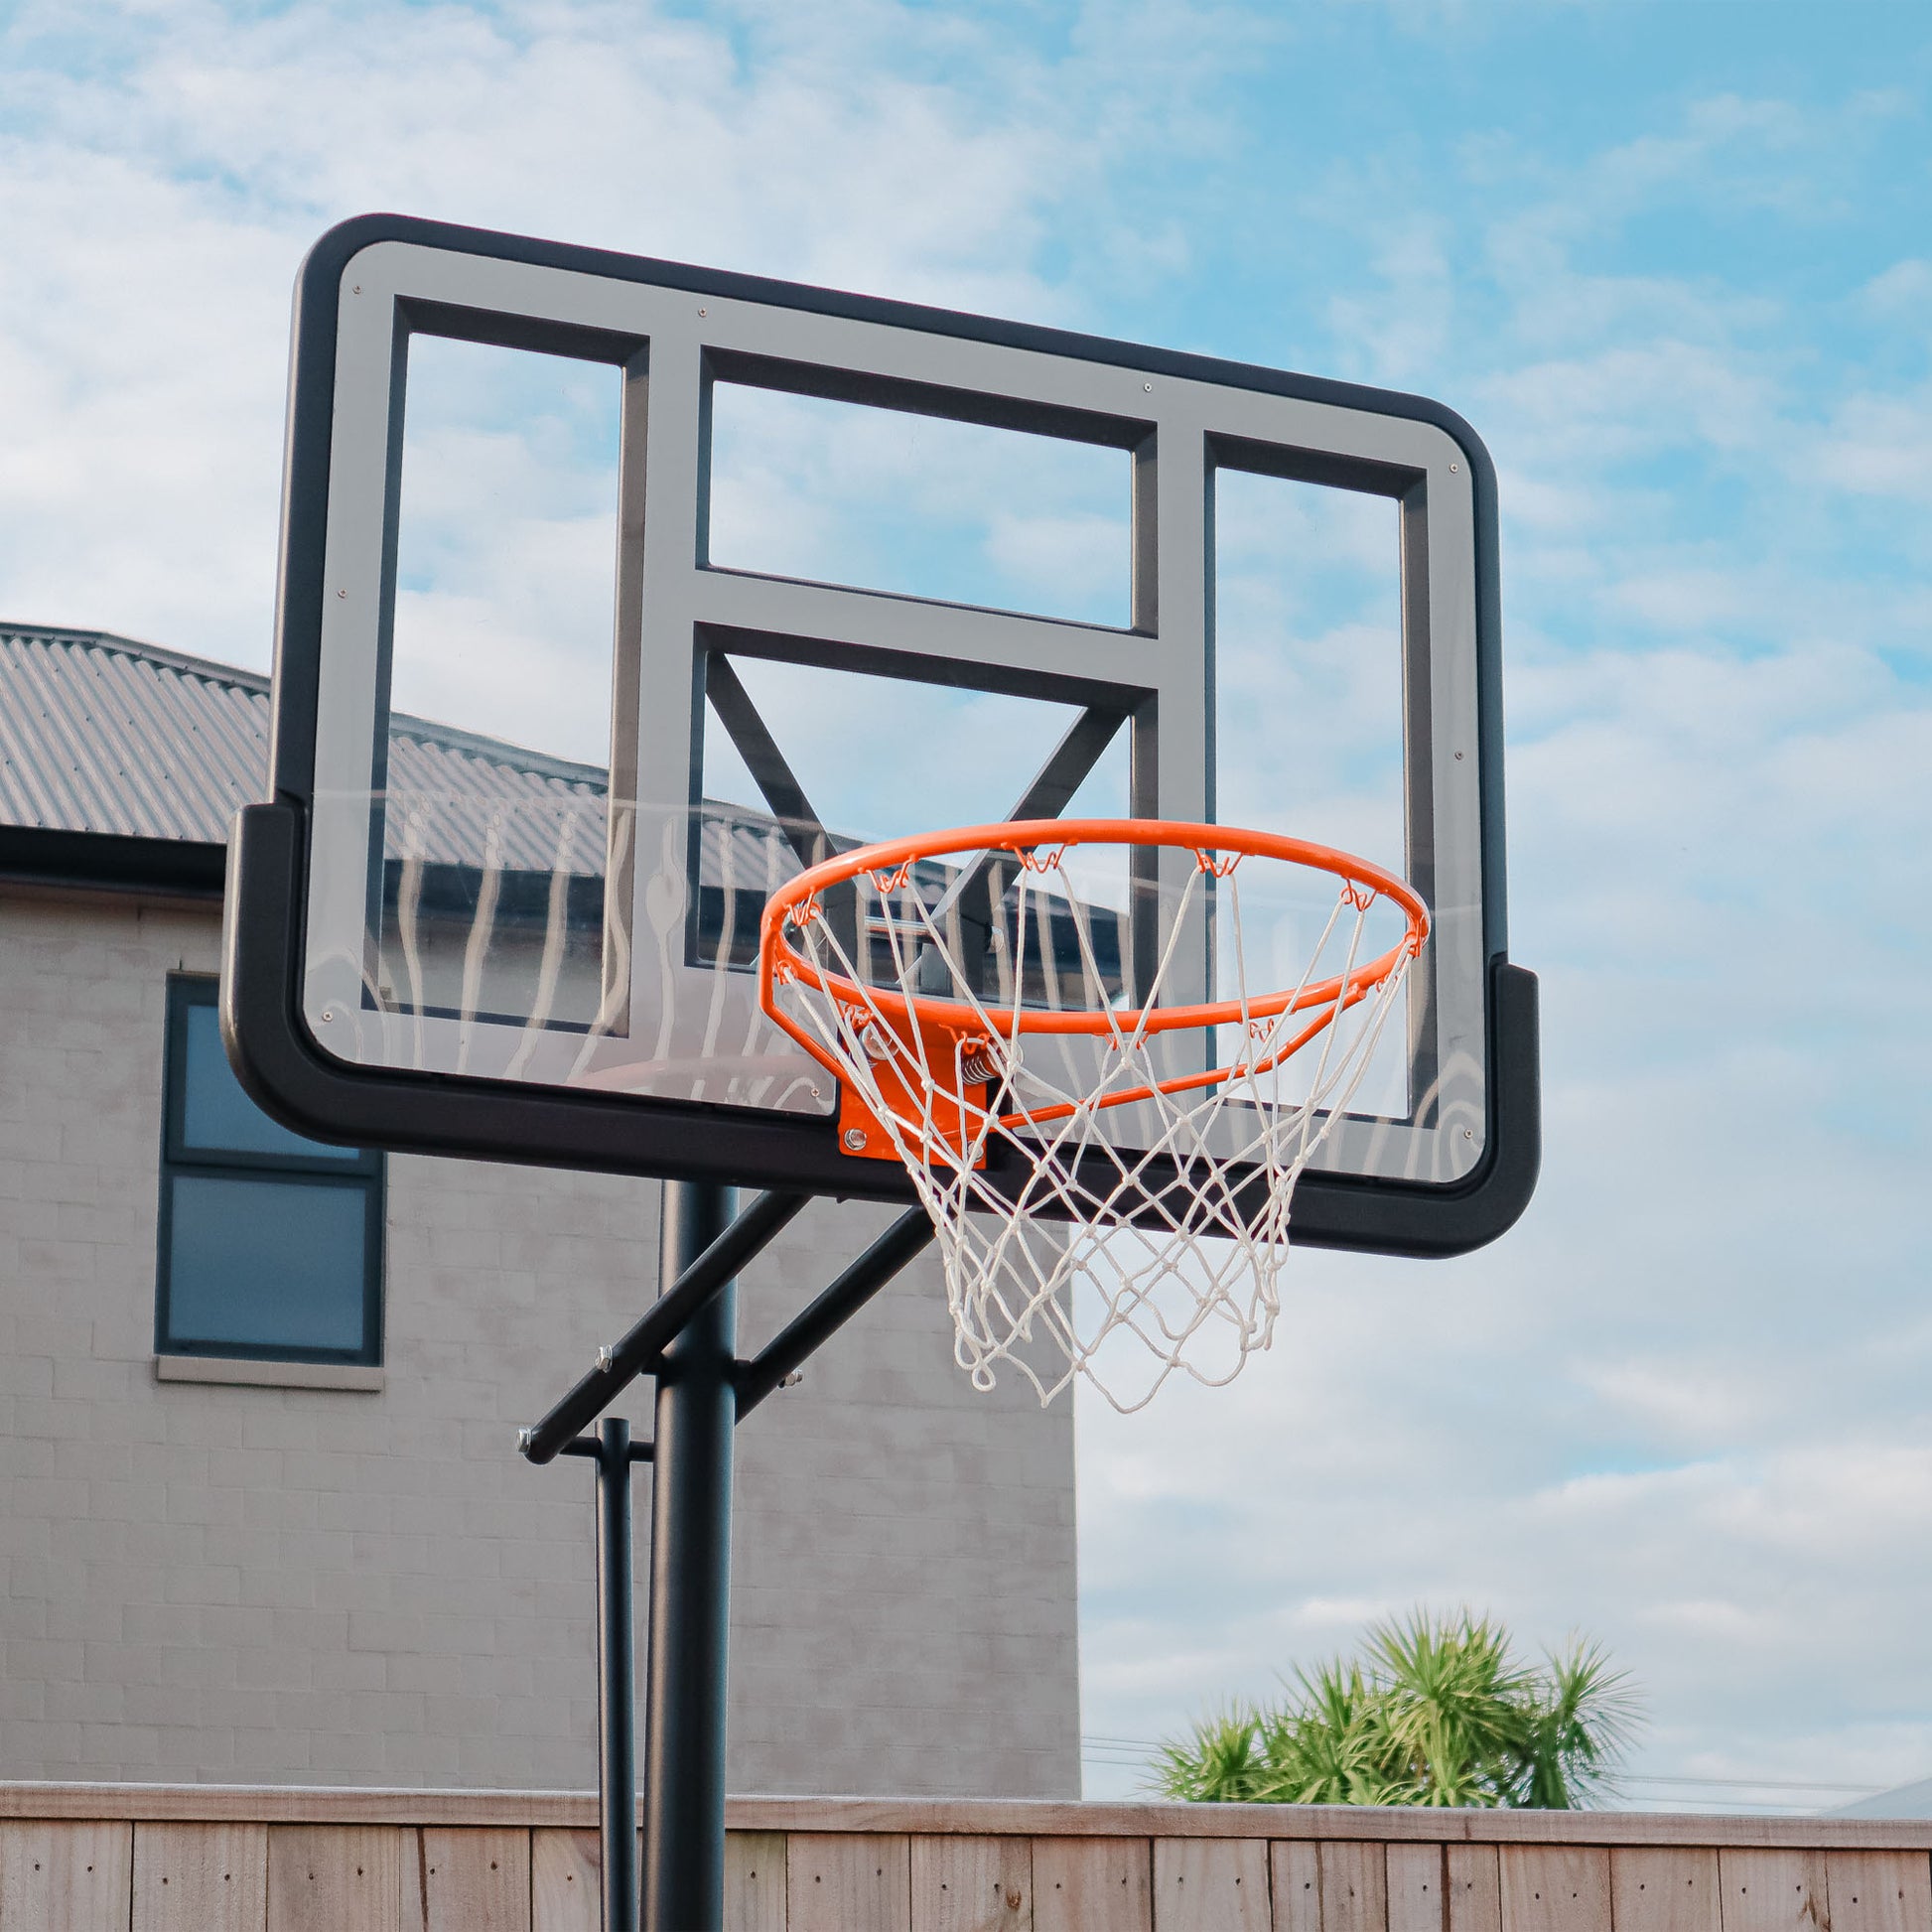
640	1349
1048	796
805	832
817	1323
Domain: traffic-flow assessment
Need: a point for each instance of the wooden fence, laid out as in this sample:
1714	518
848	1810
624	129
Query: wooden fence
217	1859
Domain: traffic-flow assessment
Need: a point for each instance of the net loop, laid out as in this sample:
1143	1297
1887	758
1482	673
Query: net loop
1039	859
1110	1180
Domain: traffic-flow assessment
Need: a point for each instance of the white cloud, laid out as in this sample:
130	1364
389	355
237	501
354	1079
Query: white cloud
158	194
1881	445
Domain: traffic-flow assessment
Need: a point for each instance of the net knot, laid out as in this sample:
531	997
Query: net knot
1362	897
1219	864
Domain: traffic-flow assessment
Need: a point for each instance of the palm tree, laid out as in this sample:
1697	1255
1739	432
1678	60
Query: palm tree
1439	1711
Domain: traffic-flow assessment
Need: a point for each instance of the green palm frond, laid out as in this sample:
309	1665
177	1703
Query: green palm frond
1584	1717
1437	1710
1216	1764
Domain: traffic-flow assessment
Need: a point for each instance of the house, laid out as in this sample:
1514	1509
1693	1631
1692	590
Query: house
263	1516
1912	1800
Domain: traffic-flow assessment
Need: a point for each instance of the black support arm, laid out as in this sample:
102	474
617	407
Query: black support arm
639	1350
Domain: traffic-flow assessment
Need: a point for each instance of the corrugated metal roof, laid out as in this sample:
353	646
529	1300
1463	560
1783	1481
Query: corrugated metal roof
100	733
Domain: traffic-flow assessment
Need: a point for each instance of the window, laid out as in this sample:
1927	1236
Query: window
271	1245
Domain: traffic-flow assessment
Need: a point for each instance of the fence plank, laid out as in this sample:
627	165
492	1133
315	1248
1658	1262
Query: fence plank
1295	1878
564	1869
467	1878
1878	1891
1774	1890
1092	1884
755	1881
1354	1888
1556	1888
1416	1888
65	1877
1210	1884
972	1885
849	1881
334	1878
199	1877
1659	1890
1475	1888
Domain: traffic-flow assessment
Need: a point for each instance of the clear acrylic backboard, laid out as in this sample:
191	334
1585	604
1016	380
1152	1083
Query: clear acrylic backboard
617	592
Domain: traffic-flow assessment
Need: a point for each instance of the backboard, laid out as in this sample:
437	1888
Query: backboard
614	592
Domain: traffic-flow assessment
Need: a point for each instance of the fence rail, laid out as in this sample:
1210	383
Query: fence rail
221	1859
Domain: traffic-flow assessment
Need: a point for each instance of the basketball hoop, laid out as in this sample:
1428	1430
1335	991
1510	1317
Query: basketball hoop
980	1009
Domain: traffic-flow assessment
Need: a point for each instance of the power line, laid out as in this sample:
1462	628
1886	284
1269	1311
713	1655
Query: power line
1769	1784
1136	1752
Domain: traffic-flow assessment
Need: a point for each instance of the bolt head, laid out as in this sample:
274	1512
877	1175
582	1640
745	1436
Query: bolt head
854	1140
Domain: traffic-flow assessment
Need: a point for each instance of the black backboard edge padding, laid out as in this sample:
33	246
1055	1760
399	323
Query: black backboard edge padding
285	1069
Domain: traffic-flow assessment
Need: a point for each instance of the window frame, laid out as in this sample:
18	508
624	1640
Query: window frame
363	1171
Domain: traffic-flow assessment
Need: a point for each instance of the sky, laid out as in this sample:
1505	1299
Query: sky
1674	264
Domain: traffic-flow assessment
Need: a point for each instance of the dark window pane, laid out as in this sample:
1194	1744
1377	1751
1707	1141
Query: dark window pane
216	1114
266	1264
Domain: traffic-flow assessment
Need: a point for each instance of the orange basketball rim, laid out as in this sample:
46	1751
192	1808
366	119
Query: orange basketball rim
938	1034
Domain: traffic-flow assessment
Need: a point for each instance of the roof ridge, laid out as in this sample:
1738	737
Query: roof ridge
502	750
524	757
254	682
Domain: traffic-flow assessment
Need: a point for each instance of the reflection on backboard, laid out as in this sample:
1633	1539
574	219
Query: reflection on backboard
599	624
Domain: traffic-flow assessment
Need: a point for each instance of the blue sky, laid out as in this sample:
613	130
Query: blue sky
1674	263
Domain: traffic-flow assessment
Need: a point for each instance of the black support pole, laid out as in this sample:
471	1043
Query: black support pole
690	1585
617	1680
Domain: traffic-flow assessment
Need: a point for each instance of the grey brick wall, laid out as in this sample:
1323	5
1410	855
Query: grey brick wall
326	1587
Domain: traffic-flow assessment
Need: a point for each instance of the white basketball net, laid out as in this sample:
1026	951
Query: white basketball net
1119	1266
